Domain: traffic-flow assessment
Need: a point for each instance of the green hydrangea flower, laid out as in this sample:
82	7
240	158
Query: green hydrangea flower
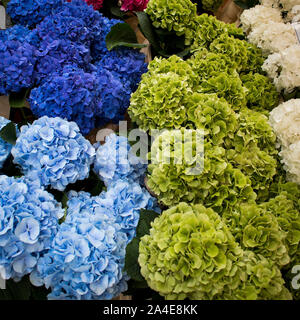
173	15
189	253
227	86
288	217
219	185
261	279
255	163
207	64
255	58
173	64
254	128
257	229
206	28
159	101
262	95
213	115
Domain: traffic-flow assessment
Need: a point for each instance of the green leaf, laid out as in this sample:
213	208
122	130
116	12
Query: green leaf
132	267
147	29
122	34
8	133
144	225
16	290
18	99
117	12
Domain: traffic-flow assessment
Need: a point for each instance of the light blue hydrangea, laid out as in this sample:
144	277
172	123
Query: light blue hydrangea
114	160
124	199
87	255
53	151
5	147
28	222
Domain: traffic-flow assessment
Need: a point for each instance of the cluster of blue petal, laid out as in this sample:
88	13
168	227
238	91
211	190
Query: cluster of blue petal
53	56
28	223
5	147
31	12
54	152
72	94
20	33
125	63
99	45
17	66
86	256
124	199
114	160
114	98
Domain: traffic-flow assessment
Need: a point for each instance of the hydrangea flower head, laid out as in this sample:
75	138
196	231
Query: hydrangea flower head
20	33
52	56
72	94
114	97
124	199
53	151
134	5
31	12
17	66
114	160
97	4
128	64
86	256
28	222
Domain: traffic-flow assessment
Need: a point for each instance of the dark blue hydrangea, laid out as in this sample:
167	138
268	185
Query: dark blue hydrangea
20	33
28	223
99	45
128	64
65	26
31	12
53	56
17	66
71	94
114	160
114	98
53	151
87	256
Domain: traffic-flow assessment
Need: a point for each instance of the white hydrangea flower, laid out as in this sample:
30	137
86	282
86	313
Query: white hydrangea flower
285	121
291	160
258	15
287	5
270	3
273	36
284	68
294	14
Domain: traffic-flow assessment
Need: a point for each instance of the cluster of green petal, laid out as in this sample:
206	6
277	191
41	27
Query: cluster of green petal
176	65
218	185
189	253
288	217
212	114
255	163
159	102
261	279
258	230
262	95
206	28
173	15
255	128
228	86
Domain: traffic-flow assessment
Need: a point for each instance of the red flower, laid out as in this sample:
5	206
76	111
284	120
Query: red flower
134	5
